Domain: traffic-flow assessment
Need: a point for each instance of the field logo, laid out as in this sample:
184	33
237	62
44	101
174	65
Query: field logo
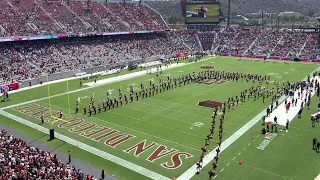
165	157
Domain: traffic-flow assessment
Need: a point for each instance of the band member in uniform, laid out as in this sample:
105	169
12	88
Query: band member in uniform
84	110
94	109
60	114
99	107
77	108
42	118
120	100
120	92
314	143
104	105
131	97
90	110
116	101
126	98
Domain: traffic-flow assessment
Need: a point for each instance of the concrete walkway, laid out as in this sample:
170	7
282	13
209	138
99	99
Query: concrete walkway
86	169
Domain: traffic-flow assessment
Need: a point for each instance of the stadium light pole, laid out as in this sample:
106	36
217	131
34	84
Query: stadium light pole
228	24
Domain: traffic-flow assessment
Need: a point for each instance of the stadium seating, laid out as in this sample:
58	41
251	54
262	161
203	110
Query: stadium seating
184	38
290	44
19	160
207	39
310	50
28	17
27	60
241	42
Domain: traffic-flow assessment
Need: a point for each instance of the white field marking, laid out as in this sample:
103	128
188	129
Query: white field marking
249	144
198	124
244	148
317	178
239	153
98	152
268	172
221	169
225	144
233	158
125	127
258	135
228	164
108	81
214	177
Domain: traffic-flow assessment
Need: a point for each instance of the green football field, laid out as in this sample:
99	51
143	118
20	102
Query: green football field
165	132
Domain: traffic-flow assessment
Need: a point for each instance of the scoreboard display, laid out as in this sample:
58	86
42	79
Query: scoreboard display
202	13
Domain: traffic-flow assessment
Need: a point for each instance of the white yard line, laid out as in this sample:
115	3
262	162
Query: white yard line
225	144
107	81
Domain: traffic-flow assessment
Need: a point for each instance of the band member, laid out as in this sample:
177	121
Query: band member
94	109
84	110
120	92
99	107
104	105
120	100
109	104
90	110
60	114
77	108
126	98
314	143
116	101
42	118
92	98
131	97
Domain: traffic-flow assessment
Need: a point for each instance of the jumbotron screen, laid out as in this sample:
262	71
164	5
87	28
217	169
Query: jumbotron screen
202	13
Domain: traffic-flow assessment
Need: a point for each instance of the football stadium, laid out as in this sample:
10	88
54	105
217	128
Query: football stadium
111	90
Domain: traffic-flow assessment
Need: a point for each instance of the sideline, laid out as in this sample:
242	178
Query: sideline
106	81
225	144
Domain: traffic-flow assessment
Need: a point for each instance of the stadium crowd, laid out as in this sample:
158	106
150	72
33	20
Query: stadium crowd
28	17
275	43
27	60
18	160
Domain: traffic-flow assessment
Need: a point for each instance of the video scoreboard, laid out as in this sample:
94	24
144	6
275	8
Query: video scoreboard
198	12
